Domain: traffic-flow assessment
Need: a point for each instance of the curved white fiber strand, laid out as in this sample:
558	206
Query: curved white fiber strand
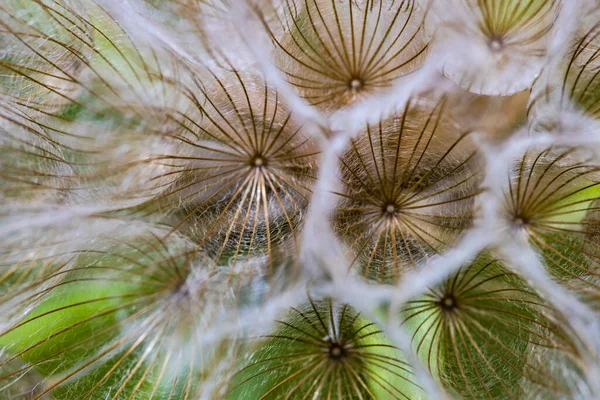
320	247
50	215
581	318
565	26
257	319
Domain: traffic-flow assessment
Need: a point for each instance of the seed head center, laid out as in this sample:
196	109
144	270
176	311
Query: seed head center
336	352
258	162
390	210
356	85
496	44
520	222
448	302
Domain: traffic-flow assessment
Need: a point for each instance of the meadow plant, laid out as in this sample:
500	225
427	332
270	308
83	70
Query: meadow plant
299	199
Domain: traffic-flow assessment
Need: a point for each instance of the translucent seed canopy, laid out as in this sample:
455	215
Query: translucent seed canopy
34	164
335	52
162	163
486	334
582	81
22	276
44	48
552	196
73	88
138	311
240	168
574	83
28	385
409	184
499	45
325	350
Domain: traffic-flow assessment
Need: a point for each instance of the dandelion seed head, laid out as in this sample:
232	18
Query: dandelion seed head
387	190
507	42
565	98
335	53
476	303
176	176
348	345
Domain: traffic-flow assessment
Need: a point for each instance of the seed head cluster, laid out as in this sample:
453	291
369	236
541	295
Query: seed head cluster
299	199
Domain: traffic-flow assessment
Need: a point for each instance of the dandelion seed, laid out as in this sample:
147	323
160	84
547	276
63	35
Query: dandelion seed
481	333
322	350
573	83
408	189
336	52
156	174
502	42
551	198
125	321
241	169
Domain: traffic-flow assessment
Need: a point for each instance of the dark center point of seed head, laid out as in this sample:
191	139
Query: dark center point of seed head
390	210
336	352
520	221
258	162
448	302
496	44
356	85
181	288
